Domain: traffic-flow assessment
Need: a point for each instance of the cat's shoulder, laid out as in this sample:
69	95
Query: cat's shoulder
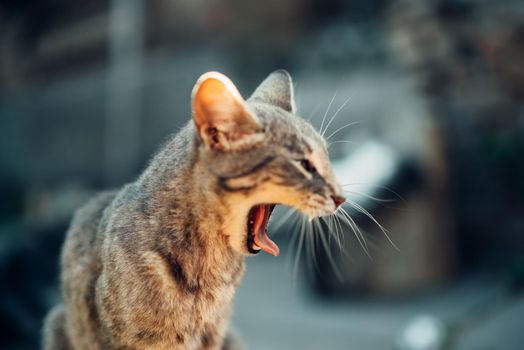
88	216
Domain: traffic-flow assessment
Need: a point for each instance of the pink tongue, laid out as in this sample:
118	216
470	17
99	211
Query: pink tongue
259	229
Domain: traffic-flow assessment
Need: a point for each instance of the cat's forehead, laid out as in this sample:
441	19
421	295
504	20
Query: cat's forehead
282	124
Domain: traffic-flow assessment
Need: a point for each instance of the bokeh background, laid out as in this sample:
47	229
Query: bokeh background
435	89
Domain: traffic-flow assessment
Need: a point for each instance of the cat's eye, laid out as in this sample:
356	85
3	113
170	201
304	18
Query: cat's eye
306	164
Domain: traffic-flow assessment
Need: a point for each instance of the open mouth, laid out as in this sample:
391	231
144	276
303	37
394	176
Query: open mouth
257	238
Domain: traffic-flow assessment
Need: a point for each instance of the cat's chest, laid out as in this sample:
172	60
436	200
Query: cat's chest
208	315
206	293
215	294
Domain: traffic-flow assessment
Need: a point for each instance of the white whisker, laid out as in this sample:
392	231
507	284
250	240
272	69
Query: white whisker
283	219
333	231
299	251
339	231
311	245
340	141
376	186
335	115
327	111
382	200
342	128
328	251
356	230
372	218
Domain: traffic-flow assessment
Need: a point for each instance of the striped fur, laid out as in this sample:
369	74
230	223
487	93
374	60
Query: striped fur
155	265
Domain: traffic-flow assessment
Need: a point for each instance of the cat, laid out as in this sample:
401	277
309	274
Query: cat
156	264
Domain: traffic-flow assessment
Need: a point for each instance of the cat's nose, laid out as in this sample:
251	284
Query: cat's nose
339	200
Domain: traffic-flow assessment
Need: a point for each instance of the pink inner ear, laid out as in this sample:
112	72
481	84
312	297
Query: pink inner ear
211	94
219	112
215	102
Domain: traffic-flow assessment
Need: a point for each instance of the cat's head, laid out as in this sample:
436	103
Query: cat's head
260	154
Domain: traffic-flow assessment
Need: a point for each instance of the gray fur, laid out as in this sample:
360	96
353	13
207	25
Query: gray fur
276	90
156	264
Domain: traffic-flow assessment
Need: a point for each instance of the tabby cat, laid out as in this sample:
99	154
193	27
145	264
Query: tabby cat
155	264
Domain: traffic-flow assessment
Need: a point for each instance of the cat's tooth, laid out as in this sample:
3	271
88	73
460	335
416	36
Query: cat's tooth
255	247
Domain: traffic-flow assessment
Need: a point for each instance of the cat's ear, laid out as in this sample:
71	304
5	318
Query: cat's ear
222	117
276	89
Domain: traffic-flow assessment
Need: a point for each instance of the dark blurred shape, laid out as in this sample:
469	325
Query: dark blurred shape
11	205
29	275
467	57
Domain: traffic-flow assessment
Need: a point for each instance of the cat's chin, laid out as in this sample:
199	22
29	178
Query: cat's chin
257	237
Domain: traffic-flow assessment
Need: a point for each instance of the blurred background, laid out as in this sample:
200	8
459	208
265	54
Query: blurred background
435	89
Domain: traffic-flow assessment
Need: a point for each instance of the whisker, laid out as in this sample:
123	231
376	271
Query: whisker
372	218
341	141
311	245
342	128
335	115
356	231
294	223
276	225
328	222
327	110
298	252
340	231
365	195
376	186
333	231
328	251
353	225
295	255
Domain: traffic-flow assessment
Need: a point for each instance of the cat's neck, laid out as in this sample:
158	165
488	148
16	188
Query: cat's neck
180	197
